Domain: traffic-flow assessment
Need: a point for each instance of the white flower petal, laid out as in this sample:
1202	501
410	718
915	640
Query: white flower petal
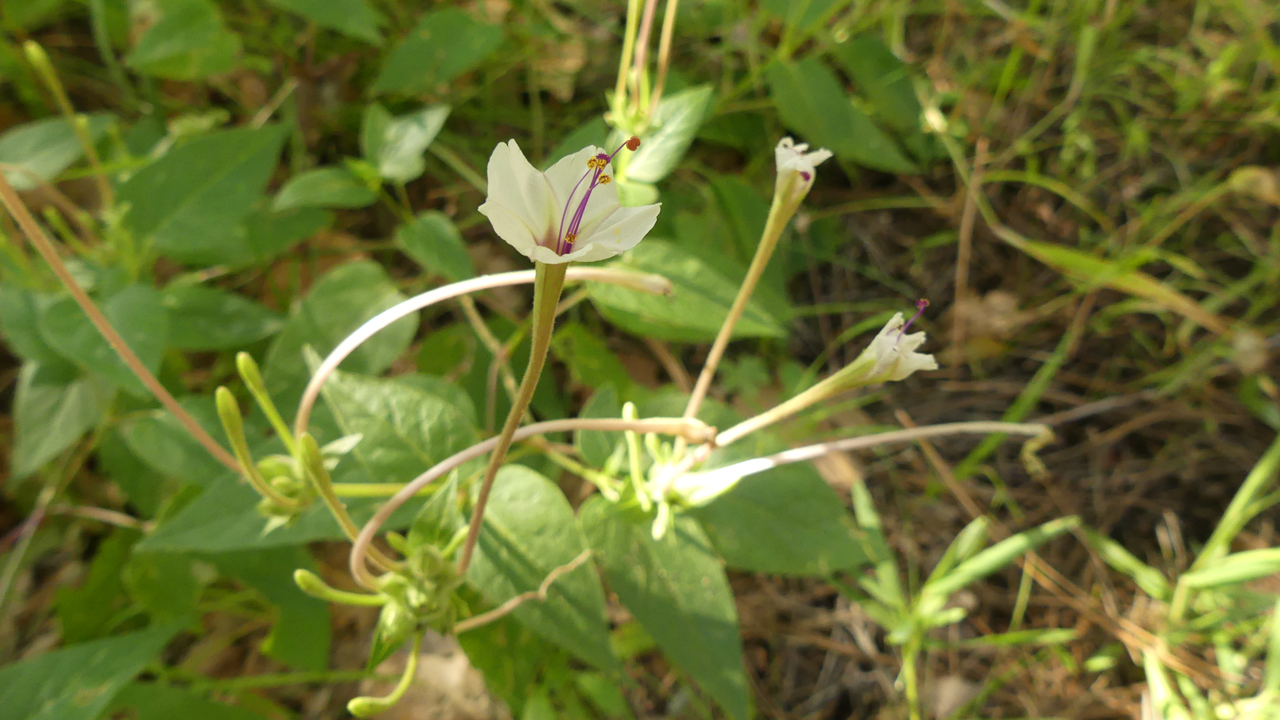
620	232
510	227
518	186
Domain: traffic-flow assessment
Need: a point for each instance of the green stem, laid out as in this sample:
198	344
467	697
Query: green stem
313	464
909	678
547	286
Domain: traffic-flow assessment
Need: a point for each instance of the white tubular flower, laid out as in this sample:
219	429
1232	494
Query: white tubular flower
563	215
892	353
796	169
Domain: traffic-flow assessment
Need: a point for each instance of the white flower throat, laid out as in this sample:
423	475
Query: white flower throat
595	169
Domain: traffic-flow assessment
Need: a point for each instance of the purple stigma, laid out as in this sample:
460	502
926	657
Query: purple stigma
921	304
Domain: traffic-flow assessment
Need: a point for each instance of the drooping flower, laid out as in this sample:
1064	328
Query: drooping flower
892	354
569	213
796	169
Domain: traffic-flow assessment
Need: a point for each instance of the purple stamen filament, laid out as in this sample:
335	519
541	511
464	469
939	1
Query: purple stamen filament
921	304
595	168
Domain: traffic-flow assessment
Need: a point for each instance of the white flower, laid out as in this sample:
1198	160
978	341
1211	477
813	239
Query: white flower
569	213
893	354
796	169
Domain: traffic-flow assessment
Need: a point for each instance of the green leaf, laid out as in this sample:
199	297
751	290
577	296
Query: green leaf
444	44
512	658
676	588
300	636
440	516
695	310
810	100
137	315
338	303
597	445
802	14
45	148
261	237
156	701
590	361
188	41
433	241
192	197
785	521
404	429
883	79
20	328
528	531
163	584
213	319
164	445
676	121
50	413
87	611
354	18
324	187
394	145
77	683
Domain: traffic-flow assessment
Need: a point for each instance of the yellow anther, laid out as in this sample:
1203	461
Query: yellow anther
570	238
604	179
595	163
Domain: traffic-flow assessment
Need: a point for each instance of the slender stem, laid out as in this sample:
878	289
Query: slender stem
1237	512
691	430
664	51
909	678
79	123
313	464
546	295
460	166
624	62
540	595
102	515
778	217
814	394
809	452
643	282
642	56
364	490
370	706
37	237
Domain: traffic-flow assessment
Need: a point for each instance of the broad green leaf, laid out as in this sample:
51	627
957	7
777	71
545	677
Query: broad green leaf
78	682
597	445
592	132
695	310
394	145
604	694
433	241
300	636
144	488
261	237
786	521
213	319
444	44
45	148
163	584
186	40
157	701
676	121
590	361
138	316
802	14
676	588
440	516
20	329
87	611
810	100
192	198
883	79
50	413
163	444
324	187
528	531
512	658
354	18
404	429
32	14
338	303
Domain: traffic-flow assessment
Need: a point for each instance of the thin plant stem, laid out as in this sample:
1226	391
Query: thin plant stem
79	123
547	287
369	706
56	196
102	515
313	465
47	251
540	595
664	51
639	68
777	220
639	281
624	62
460	166
691	430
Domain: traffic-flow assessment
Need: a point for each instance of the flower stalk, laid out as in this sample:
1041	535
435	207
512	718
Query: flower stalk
547	287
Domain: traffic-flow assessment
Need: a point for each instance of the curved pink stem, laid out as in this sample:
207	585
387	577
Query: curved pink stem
691	430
